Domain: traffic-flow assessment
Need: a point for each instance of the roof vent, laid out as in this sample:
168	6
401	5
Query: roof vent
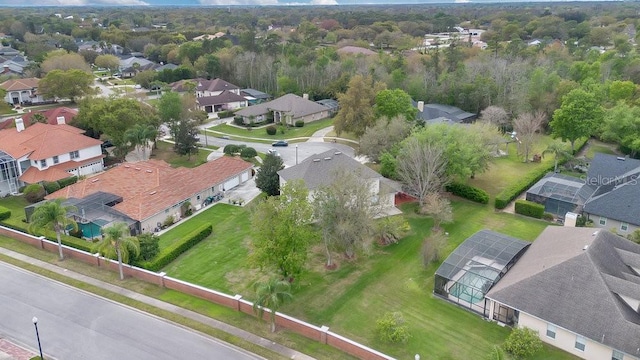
138	169
620	158
153	192
127	166
327	158
585	247
149	171
94	180
316	160
337	153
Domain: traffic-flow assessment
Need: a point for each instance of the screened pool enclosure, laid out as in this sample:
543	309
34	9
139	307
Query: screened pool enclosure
475	266
560	194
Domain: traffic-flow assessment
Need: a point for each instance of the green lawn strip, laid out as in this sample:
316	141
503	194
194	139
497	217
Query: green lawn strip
165	152
597	147
189	302
292	132
344	135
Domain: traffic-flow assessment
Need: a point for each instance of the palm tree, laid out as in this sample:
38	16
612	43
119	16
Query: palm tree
271	294
140	135
117	241
52	215
559	150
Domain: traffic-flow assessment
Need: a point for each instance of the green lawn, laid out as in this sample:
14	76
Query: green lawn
165	152
598	146
16	204
292	132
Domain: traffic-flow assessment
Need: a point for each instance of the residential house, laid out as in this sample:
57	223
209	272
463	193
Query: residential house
54	116
22	91
321	170
331	104
168	66
151	191
8	51
130	66
44	152
438	113
217	35
13	65
215	87
226	100
287	109
578	289
186	85
355	50
254	96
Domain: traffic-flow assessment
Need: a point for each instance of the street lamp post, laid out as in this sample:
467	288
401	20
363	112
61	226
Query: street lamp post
296	154
35	324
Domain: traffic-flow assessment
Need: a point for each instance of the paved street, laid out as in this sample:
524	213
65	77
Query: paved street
77	325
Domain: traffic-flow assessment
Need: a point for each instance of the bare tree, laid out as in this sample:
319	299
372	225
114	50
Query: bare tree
432	247
527	126
422	168
439	208
495	115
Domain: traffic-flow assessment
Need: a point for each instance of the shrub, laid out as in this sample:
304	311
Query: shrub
149	246
581	221
299	123
529	208
391	328
68	181
248	152
515	189
225	114
34	193
176	249
388	166
238	120
51	187
4	213
468	192
271	130
522	343
168	221
548	216
230	149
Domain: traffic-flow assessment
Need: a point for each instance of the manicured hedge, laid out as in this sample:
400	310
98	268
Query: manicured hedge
51	187
4	213
68	181
299	123
271	130
71	241
178	248
468	192
529	208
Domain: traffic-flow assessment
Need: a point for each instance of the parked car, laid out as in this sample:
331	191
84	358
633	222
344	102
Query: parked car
107	144
280	143
273	152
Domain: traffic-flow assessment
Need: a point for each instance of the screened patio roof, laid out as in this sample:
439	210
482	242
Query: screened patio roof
564	188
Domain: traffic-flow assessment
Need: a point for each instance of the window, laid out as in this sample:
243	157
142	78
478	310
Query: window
617	355
624	226
580	343
198	197
602	221
56	160
74	154
43	162
551	331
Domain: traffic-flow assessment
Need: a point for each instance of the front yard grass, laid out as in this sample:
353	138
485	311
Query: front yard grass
292	132
165	152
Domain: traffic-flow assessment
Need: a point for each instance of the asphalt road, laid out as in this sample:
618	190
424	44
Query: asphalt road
77	325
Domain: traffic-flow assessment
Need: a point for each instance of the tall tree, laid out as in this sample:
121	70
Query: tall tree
52	215
356	105
383	136
559	151
61	60
622	125
170	108
527	126
118	242
186	138
139	136
422	167
109	62
281	231
66	84
495	115
579	116
267	178
439	208
393	103
271	294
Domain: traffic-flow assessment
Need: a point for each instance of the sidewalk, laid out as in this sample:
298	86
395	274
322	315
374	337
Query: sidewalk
11	351
265	343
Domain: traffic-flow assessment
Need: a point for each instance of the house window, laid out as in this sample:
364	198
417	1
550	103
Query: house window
580	343
56	160
624	226
74	154
198	197
551	331
602	221
43	162
617	355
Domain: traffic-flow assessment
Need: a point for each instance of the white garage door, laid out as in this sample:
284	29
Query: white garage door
245	176
228	185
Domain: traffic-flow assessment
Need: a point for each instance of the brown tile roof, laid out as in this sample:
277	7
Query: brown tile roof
151	186
43	141
56	172
20	84
51	115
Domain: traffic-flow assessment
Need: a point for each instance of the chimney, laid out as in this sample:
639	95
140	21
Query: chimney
19	124
61	120
421	106
305	96
5	69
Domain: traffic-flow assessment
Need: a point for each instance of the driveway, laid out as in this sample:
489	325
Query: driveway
78	325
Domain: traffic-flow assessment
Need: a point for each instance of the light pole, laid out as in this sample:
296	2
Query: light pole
296	154
35	323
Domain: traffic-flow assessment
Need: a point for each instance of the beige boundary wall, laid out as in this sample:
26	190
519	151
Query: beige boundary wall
320	334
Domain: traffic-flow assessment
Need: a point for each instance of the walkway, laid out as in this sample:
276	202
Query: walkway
266	343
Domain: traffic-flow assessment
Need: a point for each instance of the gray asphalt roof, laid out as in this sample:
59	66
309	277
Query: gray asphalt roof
573	278
290	104
605	167
439	113
320	169
255	93
215	85
224	98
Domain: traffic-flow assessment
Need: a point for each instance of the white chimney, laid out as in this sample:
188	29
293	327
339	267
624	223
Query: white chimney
421	106
61	120
19	124
570	219
305	96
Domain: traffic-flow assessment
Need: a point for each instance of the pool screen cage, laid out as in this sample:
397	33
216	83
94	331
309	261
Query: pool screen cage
475	266
560	193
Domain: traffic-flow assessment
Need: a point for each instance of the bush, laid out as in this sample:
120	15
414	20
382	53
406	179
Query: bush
468	192
581	221
230	149
4	213
176	249
225	114
522	343
168	221
238	120
529	208
299	123
391	328
388	166
548	216
34	193
68	181
271	130
515	189
51	187
248	152
149	246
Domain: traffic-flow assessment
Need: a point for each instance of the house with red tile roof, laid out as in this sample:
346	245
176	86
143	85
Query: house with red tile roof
150	191
44	152
22	91
54	116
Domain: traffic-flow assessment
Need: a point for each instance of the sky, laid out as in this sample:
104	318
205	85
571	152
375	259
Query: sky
232	2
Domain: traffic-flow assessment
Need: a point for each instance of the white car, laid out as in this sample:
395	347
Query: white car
138	86
273	152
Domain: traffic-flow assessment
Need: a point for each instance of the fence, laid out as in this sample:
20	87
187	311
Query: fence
320	334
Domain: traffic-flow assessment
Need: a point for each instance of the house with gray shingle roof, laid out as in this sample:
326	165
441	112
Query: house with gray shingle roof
320	170
215	87
439	113
579	289
288	109
227	100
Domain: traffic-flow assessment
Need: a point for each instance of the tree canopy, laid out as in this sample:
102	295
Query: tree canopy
356	105
393	103
267	178
66	84
578	116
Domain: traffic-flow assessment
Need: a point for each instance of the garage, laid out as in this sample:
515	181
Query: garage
230	184
244	176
